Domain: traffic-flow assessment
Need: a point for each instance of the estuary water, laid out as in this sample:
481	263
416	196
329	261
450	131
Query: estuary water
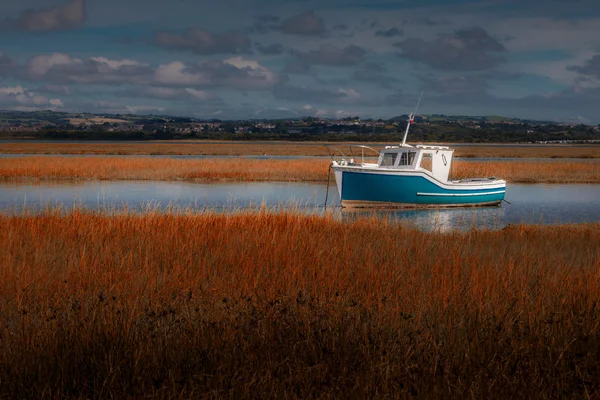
545	204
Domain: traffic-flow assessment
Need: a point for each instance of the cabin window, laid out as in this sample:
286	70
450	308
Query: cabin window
407	158
389	159
427	162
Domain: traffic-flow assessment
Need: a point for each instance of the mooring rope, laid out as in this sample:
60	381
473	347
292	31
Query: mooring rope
327	191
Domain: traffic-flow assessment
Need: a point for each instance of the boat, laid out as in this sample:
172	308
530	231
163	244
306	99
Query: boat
408	176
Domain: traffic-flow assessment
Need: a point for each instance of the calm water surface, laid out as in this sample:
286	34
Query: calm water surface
547	204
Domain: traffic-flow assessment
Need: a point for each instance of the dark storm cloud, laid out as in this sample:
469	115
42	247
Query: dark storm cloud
306	24
464	50
375	73
201	41
271	50
61	68
390	32
66	16
331	55
590	68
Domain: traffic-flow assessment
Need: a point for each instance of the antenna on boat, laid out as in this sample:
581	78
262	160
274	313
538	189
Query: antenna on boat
411	120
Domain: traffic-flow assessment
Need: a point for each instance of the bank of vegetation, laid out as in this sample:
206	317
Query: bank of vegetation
252	148
446	130
247	169
265	304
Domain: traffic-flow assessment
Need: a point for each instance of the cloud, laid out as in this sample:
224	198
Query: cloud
62	68
176	94
328	54
464	85
306	24
113	107
390	32
66	16
19	98
296	67
308	95
56	89
234	72
426	21
337	97
271	50
265	24
7	65
143	109
464	50
201	41
590	68
375	73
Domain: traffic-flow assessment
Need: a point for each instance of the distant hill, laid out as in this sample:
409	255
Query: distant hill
62	118
440	118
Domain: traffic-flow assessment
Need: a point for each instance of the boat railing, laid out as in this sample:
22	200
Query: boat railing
350	160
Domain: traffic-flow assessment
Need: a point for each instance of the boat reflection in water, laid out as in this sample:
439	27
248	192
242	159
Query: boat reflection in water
433	220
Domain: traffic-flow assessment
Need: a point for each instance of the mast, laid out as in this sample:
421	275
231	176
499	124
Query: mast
411	120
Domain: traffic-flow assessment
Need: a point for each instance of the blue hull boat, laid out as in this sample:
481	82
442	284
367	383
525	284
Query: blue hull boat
370	187
411	176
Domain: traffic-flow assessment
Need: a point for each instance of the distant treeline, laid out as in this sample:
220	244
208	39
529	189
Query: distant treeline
442	132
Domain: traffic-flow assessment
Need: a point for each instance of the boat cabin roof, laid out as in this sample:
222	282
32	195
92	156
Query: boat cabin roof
432	160
419	146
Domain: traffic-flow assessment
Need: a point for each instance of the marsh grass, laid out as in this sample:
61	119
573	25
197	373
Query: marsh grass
244	169
282	148
270	304
530	171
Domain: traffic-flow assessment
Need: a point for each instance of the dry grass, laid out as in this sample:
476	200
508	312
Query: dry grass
531	172
529	151
205	170
281	148
279	305
243	169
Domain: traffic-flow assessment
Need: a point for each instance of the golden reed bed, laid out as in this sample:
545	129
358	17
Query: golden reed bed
264	305
244	169
282	148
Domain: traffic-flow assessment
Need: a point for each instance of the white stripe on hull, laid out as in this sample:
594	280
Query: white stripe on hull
460	194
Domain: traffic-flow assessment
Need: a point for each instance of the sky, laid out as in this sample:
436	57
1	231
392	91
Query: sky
241	59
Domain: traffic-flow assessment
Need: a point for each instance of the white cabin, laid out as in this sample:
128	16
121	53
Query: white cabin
435	160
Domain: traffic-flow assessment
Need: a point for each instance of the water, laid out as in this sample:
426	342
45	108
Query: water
546	204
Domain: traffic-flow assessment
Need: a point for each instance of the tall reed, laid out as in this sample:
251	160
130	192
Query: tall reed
282	148
245	169
262	304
